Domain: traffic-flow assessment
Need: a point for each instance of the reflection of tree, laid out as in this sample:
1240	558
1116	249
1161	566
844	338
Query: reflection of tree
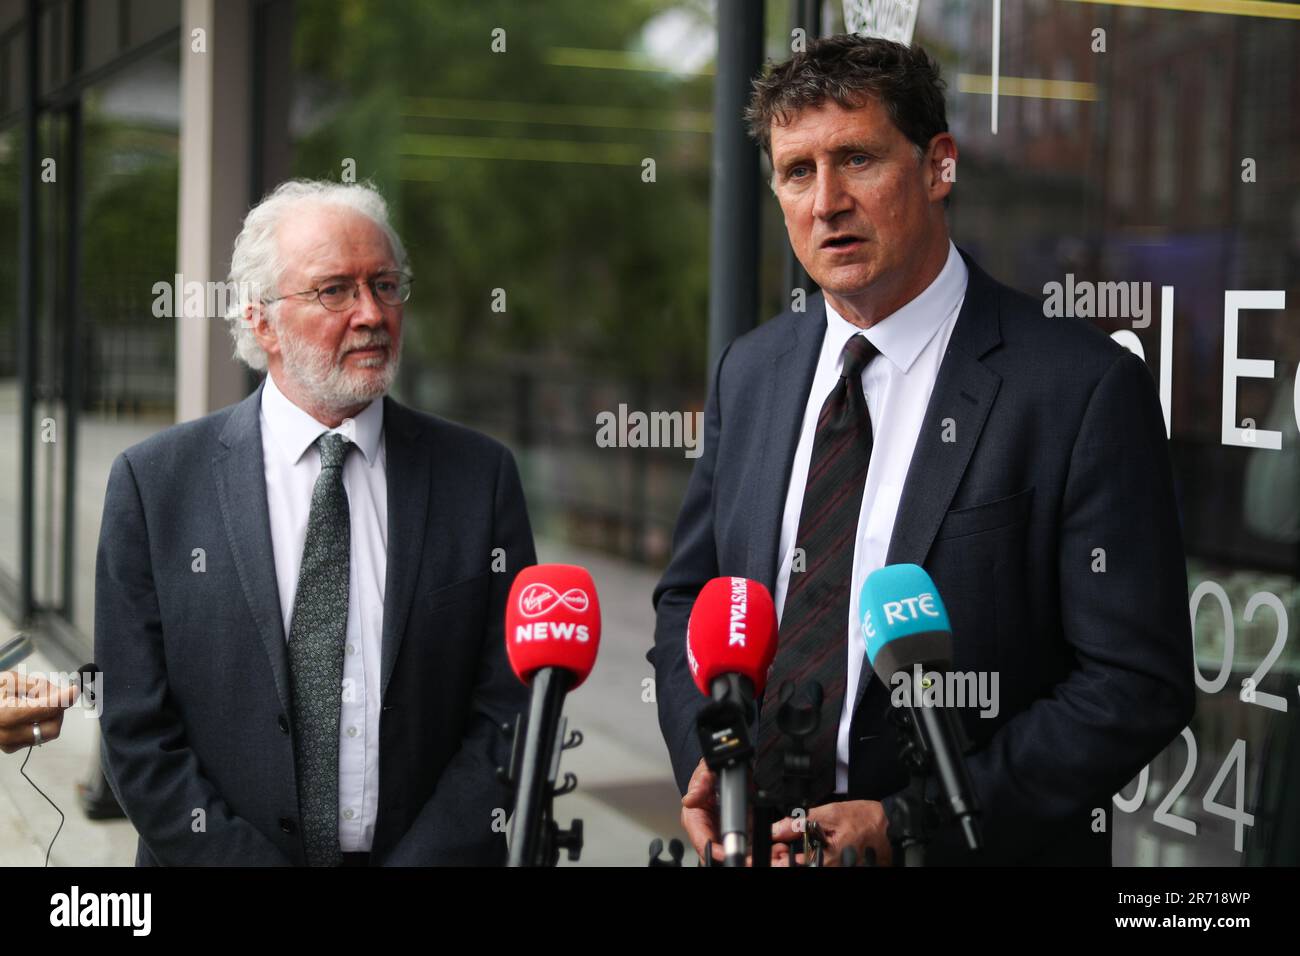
128	244
129	223
597	265
128	234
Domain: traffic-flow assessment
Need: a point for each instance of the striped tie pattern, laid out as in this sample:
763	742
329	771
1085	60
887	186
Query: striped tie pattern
316	638
813	640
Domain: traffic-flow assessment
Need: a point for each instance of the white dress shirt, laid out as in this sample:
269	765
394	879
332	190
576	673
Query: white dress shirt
897	384
292	465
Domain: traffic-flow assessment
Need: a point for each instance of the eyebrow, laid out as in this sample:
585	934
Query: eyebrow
839	149
327	276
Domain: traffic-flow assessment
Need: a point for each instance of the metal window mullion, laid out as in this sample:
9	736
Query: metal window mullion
28	263
733	213
73	344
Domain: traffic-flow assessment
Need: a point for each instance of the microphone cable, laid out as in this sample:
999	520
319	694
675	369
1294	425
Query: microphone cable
23	770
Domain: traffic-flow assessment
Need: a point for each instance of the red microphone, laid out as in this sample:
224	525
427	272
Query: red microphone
552	631
732	630
730	645
553	620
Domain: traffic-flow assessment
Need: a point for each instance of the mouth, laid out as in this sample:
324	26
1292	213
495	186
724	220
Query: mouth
369	355
844	242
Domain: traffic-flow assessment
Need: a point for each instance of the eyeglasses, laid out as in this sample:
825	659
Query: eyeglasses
389	288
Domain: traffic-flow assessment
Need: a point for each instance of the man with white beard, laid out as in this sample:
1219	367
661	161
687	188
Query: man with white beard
300	598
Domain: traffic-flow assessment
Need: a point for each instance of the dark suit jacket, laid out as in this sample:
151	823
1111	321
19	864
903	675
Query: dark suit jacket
1059	449
195	665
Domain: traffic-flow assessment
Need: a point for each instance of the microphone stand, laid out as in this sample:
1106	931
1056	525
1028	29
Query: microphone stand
915	814
676	850
908	829
536	838
797	722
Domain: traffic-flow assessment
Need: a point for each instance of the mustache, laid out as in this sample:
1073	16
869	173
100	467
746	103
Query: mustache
374	340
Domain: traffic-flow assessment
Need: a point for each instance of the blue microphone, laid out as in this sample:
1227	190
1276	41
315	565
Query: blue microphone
904	621
906	629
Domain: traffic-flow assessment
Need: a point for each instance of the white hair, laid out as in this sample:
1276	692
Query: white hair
255	263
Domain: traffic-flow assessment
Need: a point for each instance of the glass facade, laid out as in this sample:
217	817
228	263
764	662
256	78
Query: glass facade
1153	148
127	353
551	185
549	169
105	202
1156	148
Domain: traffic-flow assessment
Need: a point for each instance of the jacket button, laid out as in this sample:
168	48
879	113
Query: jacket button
288	826
284	723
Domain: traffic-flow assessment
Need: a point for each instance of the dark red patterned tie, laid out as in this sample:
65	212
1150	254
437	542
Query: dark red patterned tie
813	641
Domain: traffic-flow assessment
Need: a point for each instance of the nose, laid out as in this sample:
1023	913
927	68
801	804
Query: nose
830	198
367	311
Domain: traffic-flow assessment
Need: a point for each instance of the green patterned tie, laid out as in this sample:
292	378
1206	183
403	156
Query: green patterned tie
316	639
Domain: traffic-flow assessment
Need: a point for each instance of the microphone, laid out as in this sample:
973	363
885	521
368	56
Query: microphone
552	634
906	629
89	676
730	645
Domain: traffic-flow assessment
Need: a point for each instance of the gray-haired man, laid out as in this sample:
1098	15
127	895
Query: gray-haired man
299	598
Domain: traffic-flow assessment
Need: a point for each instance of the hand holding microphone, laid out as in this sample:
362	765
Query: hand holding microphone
856	825
906	629
730	644
31	708
700	812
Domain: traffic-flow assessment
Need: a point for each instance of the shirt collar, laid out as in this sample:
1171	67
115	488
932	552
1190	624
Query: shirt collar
294	431
904	334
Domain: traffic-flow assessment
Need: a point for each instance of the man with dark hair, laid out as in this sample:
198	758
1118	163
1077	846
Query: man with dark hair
850	70
921	412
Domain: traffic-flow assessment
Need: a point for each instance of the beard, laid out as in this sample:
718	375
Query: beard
328	383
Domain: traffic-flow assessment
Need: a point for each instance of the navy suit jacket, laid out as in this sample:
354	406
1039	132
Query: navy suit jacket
1058	449
195	663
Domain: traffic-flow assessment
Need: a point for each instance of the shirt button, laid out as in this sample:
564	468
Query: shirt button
348	814
352	731
284	723
352	648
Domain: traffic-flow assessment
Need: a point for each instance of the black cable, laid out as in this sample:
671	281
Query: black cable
23	771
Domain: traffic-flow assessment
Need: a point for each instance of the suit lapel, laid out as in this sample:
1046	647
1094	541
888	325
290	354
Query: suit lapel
241	494
963	392
786	385
408	467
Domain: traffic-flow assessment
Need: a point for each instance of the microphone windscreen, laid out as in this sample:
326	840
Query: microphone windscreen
553	620
732	630
89	675
903	619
